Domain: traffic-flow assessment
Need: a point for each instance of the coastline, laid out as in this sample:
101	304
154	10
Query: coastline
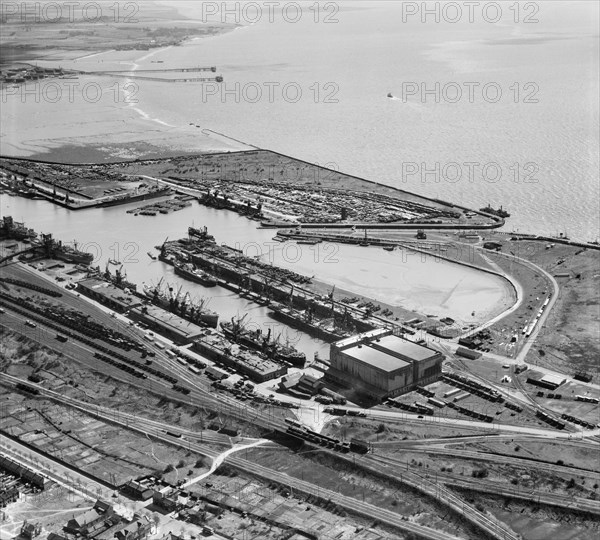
135	135
68	125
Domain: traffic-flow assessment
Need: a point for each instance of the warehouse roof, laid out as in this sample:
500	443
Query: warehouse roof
109	291
169	321
556	379
396	345
375	358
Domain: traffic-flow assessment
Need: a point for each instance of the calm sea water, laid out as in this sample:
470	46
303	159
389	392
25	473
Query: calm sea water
350	66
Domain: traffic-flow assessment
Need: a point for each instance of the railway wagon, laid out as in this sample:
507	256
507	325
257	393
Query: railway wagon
359	446
452	392
230	432
468	353
294	423
436	402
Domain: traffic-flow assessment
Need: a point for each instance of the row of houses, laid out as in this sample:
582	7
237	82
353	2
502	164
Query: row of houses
25	474
102	523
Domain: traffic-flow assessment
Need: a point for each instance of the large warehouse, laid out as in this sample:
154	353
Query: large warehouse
381	365
168	324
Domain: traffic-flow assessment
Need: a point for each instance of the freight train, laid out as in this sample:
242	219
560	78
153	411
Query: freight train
301	432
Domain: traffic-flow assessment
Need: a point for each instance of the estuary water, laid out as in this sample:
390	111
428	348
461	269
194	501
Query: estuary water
532	148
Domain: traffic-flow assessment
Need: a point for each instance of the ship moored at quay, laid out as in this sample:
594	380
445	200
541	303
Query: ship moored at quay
255	365
42	247
181	303
276	287
236	332
186	271
172	314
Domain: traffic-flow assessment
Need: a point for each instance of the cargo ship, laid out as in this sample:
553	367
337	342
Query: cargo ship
250	363
187	271
304	321
57	250
119	279
235	331
500	212
182	306
125	198
264	284
200	234
15	230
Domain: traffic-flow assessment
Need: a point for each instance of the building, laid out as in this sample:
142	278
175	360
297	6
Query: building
24	473
85	523
382	365
166	503
104	508
8	496
30	530
167	324
107	294
139	528
555	380
136	491
54	536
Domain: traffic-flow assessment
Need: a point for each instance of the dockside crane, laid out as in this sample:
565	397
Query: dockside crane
163	248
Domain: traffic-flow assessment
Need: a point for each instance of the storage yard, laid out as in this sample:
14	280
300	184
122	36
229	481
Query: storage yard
260	189
62	186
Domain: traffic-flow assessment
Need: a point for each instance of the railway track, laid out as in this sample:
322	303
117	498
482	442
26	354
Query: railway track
198	396
508	460
111	416
528	403
231	406
495	488
488	524
160	431
590	443
156	431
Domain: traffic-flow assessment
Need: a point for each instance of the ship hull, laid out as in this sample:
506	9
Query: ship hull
206	318
279	353
296	322
203	279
